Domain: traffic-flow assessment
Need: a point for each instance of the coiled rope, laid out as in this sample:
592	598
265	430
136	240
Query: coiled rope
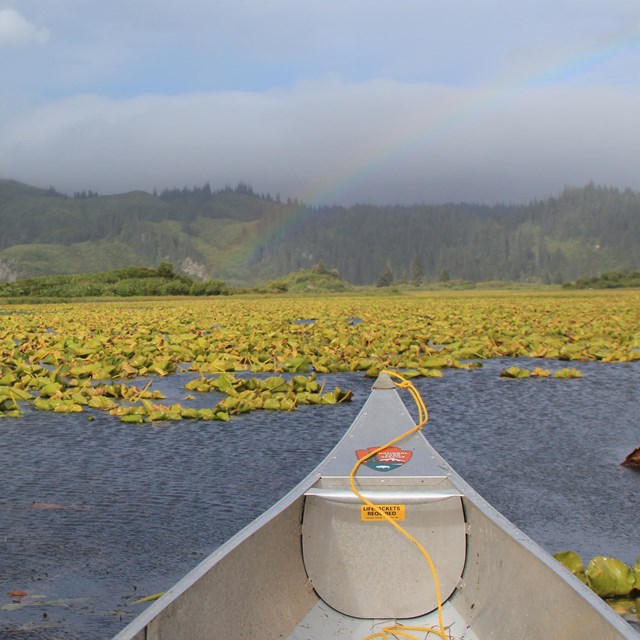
400	630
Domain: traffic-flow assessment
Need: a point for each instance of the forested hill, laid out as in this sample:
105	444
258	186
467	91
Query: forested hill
237	235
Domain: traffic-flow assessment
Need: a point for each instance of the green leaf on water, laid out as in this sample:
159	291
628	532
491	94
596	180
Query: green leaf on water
514	372
568	373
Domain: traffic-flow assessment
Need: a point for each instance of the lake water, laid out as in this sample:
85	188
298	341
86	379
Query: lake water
137	506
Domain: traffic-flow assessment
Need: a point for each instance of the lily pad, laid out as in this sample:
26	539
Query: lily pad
514	372
610	577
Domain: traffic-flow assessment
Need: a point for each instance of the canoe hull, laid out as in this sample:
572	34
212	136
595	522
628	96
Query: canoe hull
252	587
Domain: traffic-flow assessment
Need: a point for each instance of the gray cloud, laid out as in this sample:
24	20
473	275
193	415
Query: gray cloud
381	141
335	100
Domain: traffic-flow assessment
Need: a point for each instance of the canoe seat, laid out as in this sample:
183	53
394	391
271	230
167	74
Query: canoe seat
362	566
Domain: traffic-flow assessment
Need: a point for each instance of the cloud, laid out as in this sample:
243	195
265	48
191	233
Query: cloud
379	141
332	101
16	31
120	49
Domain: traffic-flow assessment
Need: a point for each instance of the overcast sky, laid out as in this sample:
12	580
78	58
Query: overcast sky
386	101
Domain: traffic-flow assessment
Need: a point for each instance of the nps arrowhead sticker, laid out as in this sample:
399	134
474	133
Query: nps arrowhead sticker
386	460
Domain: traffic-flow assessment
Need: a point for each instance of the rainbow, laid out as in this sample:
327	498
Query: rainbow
561	69
378	152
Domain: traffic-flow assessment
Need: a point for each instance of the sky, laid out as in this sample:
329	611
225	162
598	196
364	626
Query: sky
327	101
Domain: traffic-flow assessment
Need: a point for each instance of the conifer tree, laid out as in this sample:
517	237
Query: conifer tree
386	277
417	273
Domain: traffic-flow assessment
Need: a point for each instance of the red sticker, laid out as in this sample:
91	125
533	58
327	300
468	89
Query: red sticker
385	460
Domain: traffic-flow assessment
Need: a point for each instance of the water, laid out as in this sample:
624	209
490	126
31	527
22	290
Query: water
95	513
546	452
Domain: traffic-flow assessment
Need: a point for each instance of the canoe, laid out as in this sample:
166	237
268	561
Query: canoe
382	540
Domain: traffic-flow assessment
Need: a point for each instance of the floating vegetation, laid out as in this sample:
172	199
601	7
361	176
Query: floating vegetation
568	373
610	578
84	357
274	393
515	372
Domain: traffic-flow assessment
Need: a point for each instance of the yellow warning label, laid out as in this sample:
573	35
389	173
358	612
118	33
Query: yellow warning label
393	511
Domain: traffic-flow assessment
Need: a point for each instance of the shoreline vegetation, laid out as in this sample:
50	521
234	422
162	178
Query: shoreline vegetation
163	281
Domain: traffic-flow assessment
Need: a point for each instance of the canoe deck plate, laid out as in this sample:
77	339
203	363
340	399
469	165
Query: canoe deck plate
365	568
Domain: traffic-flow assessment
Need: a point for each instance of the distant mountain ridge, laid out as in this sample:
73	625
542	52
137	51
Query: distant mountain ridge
239	236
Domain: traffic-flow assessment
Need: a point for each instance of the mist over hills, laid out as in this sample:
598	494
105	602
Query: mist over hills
239	236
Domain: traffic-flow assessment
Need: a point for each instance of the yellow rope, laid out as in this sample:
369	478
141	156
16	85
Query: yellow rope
423	417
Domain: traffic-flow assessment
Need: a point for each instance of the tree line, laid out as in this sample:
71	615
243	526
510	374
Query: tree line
579	233
582	232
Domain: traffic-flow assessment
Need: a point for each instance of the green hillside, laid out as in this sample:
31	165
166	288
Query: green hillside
242	237
47	233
